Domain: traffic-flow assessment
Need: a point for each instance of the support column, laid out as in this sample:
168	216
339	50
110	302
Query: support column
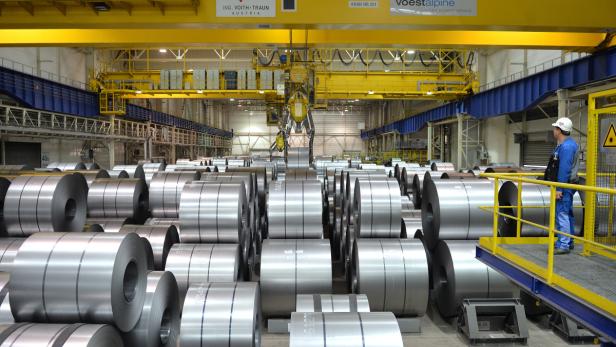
111	145
430	140
460	140
173	159
563	102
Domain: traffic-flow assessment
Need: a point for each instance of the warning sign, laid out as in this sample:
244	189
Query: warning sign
610	138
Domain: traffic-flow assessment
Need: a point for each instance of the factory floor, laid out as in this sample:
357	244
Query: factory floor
435	332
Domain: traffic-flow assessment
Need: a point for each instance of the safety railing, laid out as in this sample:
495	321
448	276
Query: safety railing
591	246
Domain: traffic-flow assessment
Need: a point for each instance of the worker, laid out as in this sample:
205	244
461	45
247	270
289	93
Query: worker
563	167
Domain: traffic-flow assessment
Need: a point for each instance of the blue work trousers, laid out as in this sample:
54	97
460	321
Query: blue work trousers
565	221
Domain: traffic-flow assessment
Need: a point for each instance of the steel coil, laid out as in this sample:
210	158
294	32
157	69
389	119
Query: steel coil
533	196
450	210
5	183
91	175
260	175
8	250
59	335
454	175
159	325
302	174
410	225
151	169
165	192
248	178
67	166
298	157
366	329
22	167
376	208
219	162
332	303
79	277
133	171
118	198
45	203
160	237
194	264
110	225
221	314
419	178
393	274
295	210
6	316
442	166
117	174
291	267
459	275
92	166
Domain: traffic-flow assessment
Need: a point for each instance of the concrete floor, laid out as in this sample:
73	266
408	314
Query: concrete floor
436	333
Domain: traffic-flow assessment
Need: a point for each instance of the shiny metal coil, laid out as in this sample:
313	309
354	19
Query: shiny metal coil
118	198
458	275
219	162
376	208
165	192
67	166
399	167
160	237
302	174
393	274
332	303
110	225
8	251
194	264
6	316
410	225
5	183
262	182
134	171
418	182
159	324
221	314
298	157
271	168
92	166
295	210
91	175
22	167
442	166
248	178
60	335
79	277
236	163
291	267
45	203
117	174
450	210
150	169
366	329
454	175
532	195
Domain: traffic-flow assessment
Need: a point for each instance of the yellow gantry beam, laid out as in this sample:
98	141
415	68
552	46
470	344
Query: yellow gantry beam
312	37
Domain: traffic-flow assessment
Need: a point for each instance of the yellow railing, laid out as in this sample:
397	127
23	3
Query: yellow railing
590	246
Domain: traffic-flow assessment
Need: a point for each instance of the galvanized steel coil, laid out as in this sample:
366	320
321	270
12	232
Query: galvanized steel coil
262	181
393	274
91	175
454	175
160	237
291	267
419	178
5	183
92	166
67	166
110	225
22	167
298	157
221	314
6	316
248	178
366	329
332	303
442	166
219	162
535	208
295	210
118	198
134	171
80	277
150	169
450	210
45	203
301	174
59	335
459	275
194	264
117	174
410	225
376	208
9	246
159	324
165	192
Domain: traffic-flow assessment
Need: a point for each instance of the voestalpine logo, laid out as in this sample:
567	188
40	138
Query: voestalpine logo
434	7
245	8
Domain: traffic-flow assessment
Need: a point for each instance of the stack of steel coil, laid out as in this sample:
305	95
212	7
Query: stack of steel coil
291	267
367	329
376	208
393	274
295	210
459	275
298	157
160	237
193	264
451	210
332	303
79	277
134	171
45	203
118	198
301	174
166	190
221	314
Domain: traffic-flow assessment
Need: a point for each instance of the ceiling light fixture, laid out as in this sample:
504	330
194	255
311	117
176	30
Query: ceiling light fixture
138	92
429	93
410	51
199	91
231	99
162	50
371	92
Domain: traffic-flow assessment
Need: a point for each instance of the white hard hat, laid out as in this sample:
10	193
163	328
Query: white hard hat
564	124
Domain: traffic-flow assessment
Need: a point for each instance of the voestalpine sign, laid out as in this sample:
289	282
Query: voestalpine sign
433	7
245	8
